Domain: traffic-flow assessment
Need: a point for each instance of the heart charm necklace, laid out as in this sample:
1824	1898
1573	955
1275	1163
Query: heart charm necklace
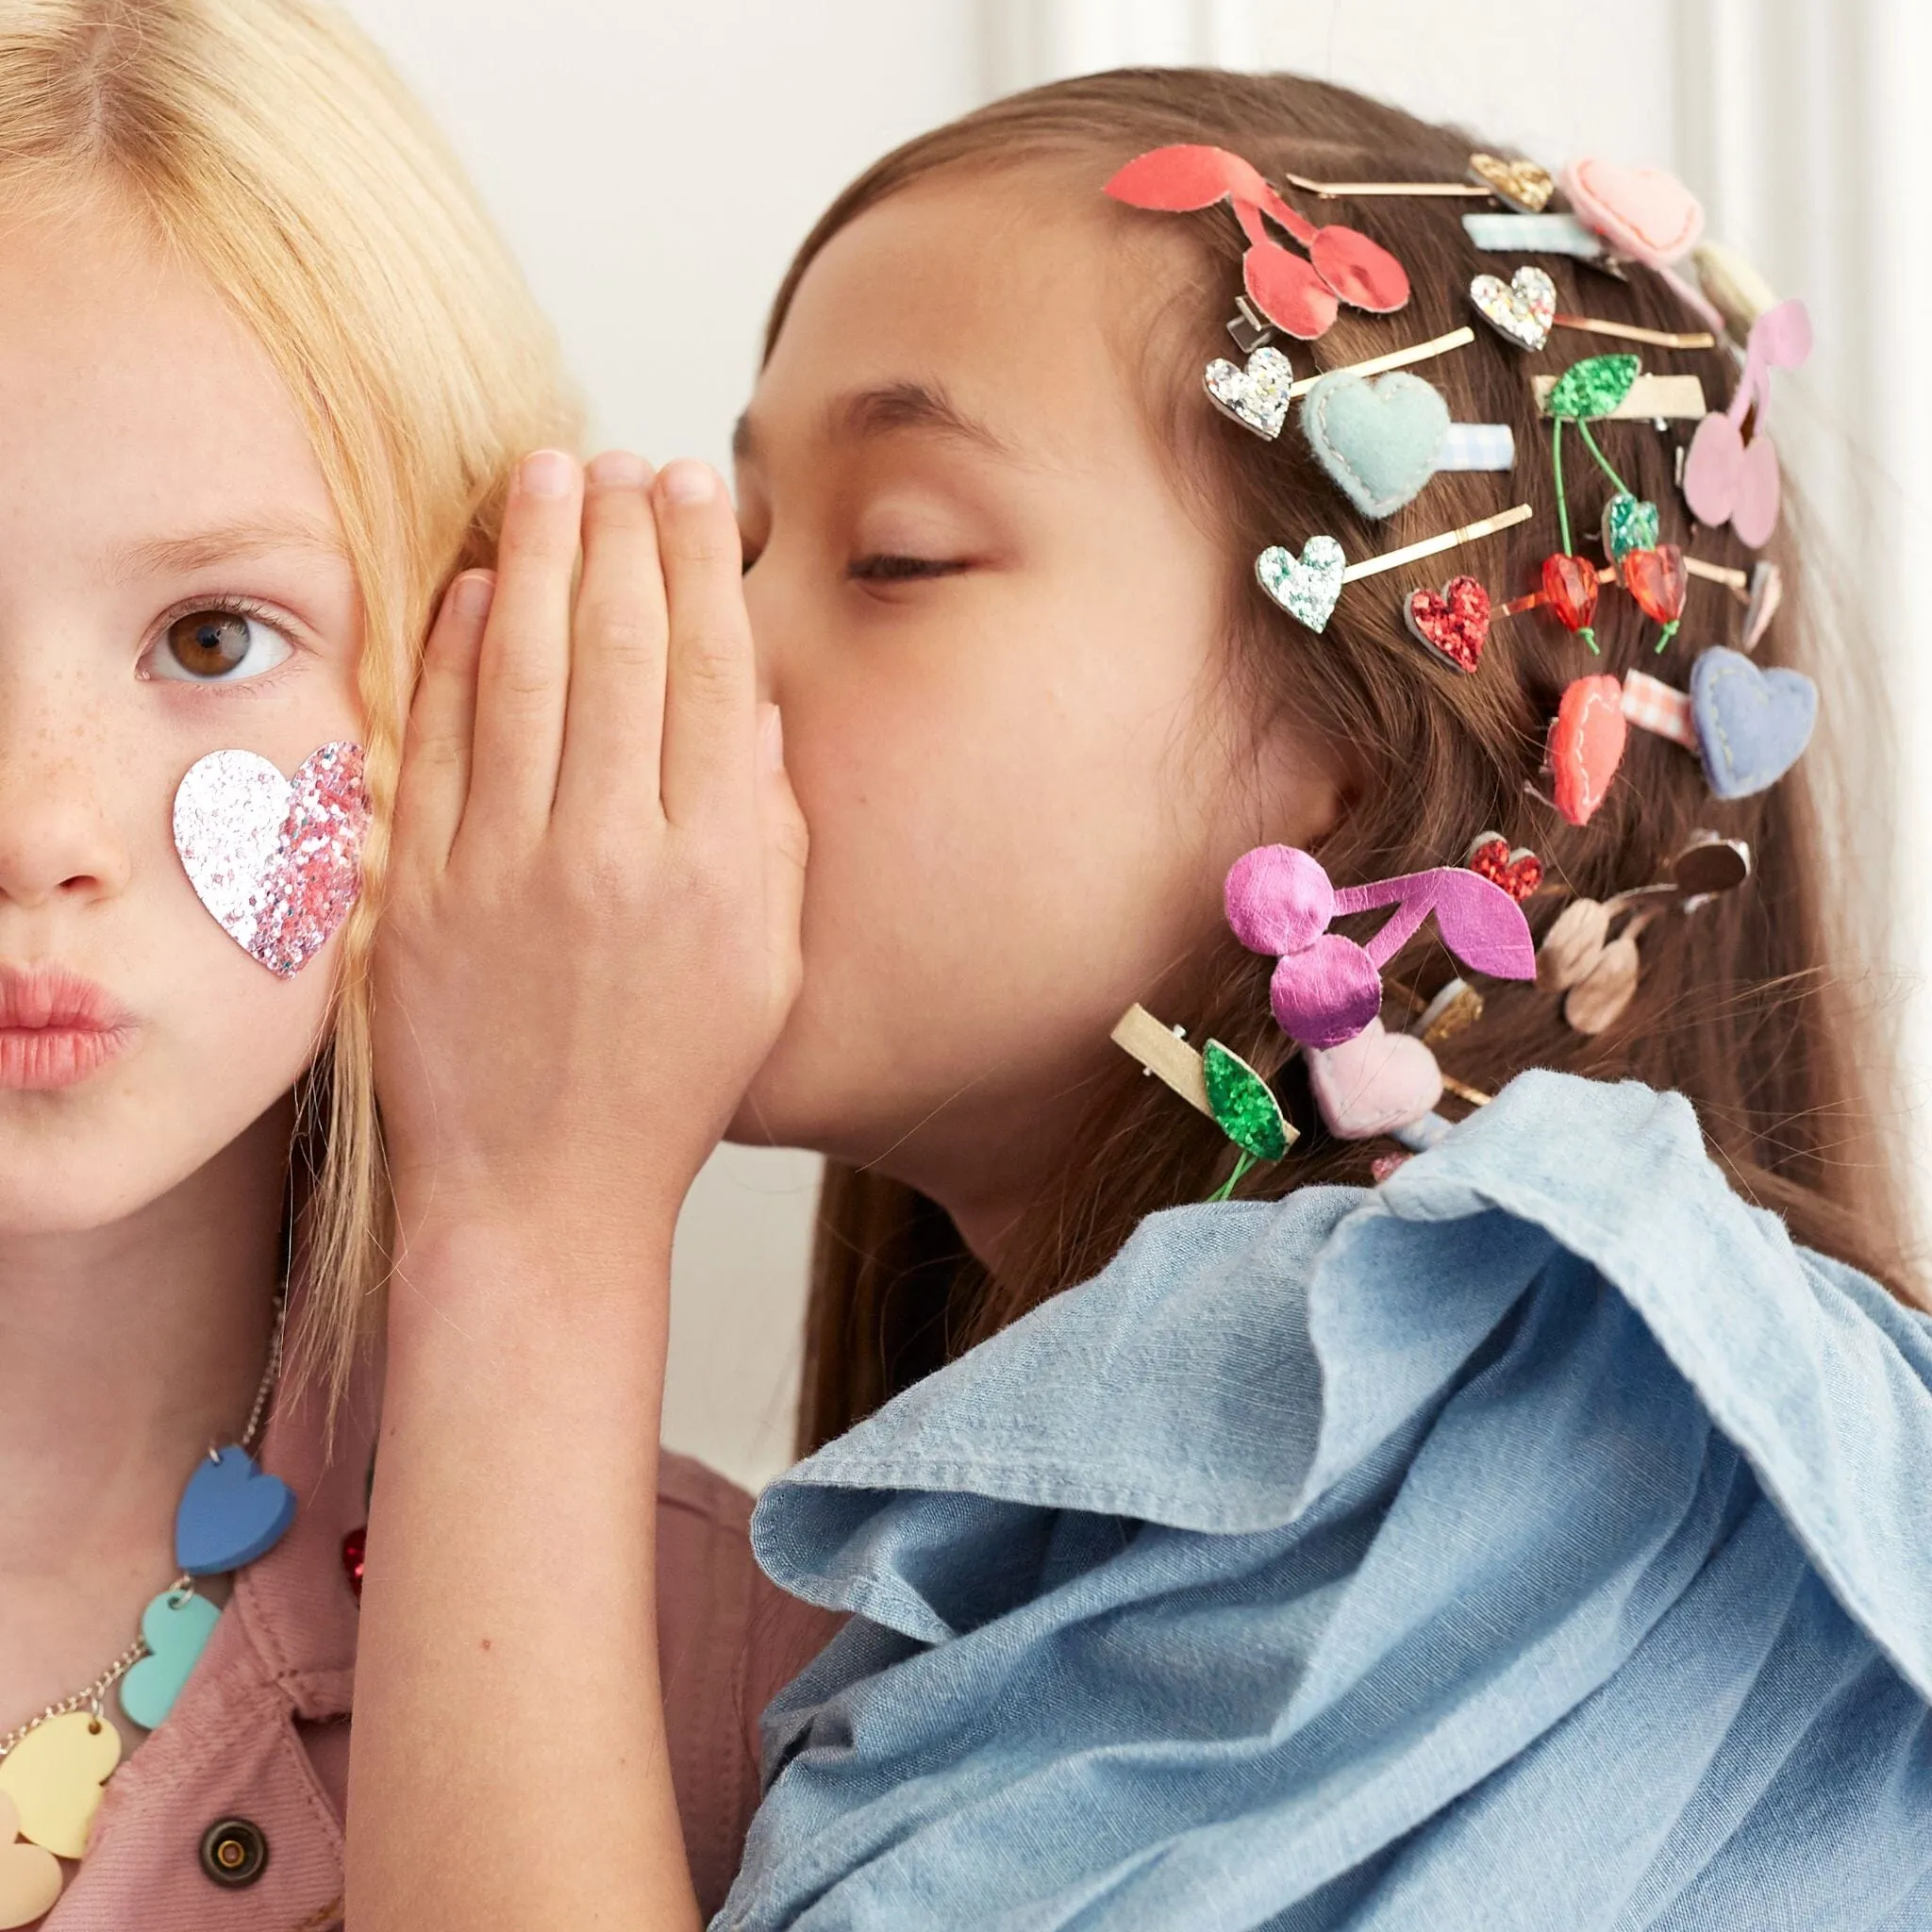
55	1765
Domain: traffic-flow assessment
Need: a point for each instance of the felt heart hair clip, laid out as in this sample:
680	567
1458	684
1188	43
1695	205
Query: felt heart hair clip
1748	727
1299	296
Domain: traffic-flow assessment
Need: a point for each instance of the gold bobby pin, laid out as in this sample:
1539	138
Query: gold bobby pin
1525	186
1630	332
1429	546
1395	358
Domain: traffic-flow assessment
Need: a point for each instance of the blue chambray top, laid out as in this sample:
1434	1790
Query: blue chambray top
1541	1540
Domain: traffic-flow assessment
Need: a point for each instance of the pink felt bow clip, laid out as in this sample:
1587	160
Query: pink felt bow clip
1298	296
1327	988
1727	480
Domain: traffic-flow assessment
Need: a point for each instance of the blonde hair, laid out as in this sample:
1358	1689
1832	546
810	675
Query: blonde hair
268	143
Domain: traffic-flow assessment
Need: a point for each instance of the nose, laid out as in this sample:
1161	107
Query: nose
58	836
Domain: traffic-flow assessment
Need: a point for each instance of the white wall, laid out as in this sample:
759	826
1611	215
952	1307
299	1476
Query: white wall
654	164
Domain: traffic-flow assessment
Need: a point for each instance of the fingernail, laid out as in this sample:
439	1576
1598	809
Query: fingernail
473	593
772	738
547	473
688	482
619	469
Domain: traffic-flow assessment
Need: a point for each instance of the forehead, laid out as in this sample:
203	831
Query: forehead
127	385
1020	296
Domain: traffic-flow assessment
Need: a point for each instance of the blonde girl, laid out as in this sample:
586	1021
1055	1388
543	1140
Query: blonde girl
265	376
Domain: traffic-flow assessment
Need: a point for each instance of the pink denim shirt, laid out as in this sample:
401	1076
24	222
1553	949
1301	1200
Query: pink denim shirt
260	1733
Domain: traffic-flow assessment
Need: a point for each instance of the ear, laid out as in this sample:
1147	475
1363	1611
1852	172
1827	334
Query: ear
1302	782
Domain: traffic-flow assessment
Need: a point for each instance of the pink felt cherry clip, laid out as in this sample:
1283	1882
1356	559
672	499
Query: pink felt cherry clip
1327	988
1299	296
1726	479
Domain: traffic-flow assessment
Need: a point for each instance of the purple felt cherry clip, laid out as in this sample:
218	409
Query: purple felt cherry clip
230	1514
1326	988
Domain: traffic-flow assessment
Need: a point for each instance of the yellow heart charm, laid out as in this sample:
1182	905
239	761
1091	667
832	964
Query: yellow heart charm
55	1774
1522	183
29	1878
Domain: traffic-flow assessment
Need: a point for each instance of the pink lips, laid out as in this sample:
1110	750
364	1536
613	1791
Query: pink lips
55	1028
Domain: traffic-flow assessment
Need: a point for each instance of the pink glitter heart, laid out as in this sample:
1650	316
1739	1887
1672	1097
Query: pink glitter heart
276	861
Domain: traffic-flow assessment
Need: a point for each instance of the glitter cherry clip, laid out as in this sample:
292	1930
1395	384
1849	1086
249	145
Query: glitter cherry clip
276	861
1327	988
1301	297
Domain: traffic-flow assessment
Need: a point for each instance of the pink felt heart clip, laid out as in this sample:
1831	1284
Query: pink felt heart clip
1727	479
1299	296
1326	988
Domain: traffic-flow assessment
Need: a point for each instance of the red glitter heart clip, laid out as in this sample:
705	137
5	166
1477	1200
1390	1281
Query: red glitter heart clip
1301	297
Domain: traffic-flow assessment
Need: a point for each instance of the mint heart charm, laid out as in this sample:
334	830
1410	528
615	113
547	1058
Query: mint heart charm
1305	587
1379	438
175	1627
230	1514
1630	523
1256	397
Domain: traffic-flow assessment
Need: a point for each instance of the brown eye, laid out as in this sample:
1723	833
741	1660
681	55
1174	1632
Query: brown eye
216	648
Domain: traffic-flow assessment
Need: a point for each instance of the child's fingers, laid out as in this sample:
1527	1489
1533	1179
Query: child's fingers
711	691
435	780
524	673
786	843
615	723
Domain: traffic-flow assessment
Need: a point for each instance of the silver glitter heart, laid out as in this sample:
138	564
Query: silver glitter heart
1520	311
1306	586
276	861
1256	397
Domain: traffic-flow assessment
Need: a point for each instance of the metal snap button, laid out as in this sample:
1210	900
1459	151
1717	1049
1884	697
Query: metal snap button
234	1852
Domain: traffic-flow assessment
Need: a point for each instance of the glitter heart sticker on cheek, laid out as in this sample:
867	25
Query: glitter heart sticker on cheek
279	862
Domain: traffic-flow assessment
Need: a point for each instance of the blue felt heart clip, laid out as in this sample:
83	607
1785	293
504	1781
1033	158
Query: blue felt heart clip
1751	724
230	1514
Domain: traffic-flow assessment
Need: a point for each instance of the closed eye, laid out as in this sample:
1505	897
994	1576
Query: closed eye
887	569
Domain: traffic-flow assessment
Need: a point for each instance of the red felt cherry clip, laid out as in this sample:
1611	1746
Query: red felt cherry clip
1298	296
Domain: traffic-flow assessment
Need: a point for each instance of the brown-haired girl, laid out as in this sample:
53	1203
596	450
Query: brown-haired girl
1534	1536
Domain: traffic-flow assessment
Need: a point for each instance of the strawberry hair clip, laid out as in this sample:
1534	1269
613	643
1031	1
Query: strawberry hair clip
1326	994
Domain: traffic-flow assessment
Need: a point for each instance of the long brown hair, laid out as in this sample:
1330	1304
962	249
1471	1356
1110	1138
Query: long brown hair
1746	1006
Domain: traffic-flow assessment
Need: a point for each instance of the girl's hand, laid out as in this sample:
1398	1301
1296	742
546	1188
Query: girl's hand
593	934
591	943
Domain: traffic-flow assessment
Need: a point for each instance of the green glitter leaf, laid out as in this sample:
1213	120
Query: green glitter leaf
1244	1105
1593	388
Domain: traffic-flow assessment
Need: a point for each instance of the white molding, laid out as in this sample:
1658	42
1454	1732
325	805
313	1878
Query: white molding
1025	43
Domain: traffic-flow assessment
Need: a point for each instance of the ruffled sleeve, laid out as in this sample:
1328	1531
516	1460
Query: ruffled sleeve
1541	1539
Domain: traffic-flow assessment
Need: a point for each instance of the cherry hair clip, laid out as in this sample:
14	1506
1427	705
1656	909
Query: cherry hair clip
1728	479
1523	310
276	861
1597	973
1301	297
1327	988
1215	1082
1522	185
1747	726
1308	586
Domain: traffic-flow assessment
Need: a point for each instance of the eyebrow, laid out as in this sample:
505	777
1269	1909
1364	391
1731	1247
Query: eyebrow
885	411
229	542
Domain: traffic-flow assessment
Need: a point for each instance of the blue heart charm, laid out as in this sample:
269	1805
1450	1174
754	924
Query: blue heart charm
176	1629
1379	438
1752	725
230	1514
